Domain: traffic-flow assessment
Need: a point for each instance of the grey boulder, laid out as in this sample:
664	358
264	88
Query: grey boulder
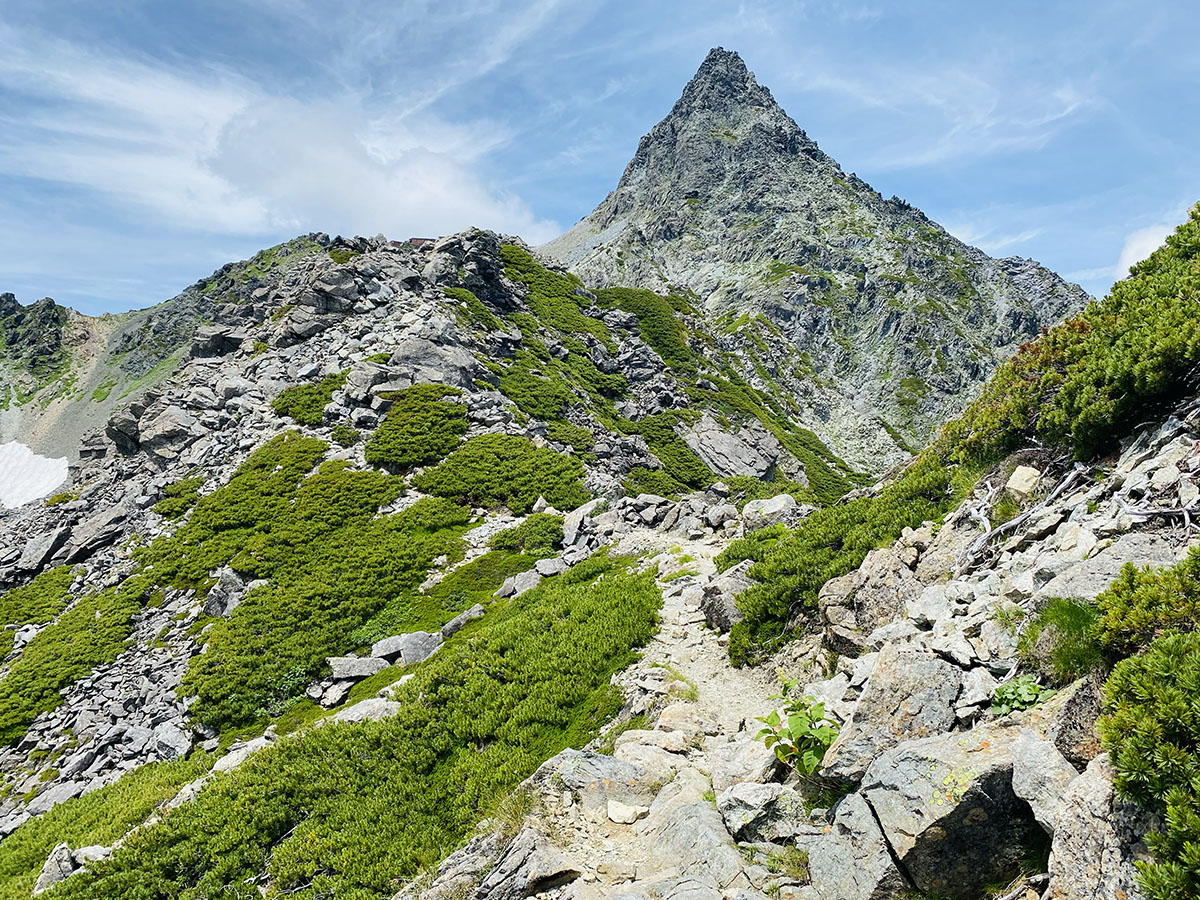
407	649
947	808
910	694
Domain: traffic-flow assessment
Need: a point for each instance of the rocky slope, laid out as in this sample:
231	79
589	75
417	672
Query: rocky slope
926	788
377	318
878	321
63	373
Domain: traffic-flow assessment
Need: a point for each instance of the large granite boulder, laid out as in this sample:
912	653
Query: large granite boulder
1098	839
947	808
910	694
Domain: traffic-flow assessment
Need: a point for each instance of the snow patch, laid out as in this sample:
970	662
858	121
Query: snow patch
25	476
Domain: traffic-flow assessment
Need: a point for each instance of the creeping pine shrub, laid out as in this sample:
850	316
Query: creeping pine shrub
1087	381
306	402
495	469
679	461
351	810
98	818
539	397
1021	692
555	299
1141	604
801	735
345	435
332	565
539	535
476	312
575	436
1151	729
657	324
641	480
179	497
35	603
90	633
421	427
745	488
830	542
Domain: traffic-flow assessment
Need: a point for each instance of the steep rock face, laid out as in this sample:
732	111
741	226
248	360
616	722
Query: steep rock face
869	310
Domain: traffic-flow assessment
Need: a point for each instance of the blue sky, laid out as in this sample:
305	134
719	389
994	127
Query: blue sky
145	143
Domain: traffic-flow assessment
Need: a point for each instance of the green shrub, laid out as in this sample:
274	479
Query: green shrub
90	633
306	402
343	255
380	358
345	435
1075	651
1085	383
35	603
1021	692
534	395
575	436
332	565
351	810
641	480
61	498
657	324
1141	604
466	585
552	296
745	488
1151	729
476	311
801	735
97	818
678	460
832	541
539	535
495	469
421	427
179	497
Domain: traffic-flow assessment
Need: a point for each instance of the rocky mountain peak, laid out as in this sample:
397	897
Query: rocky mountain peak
723	83
881	320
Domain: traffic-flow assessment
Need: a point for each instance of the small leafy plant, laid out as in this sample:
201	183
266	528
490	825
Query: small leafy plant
801	735
1020	693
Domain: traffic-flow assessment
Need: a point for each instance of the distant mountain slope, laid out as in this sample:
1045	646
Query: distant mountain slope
871	309
62	373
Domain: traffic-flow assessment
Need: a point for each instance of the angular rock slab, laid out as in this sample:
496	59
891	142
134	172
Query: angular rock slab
946	806
531	864
910	694
852	860
1040	776
763	812
1098	838
407	649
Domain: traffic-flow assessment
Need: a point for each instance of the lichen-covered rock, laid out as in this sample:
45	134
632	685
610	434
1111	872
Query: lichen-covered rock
910	694
947	808
1098	840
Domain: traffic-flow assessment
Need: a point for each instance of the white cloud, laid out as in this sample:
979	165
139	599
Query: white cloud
212	151
1140	244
